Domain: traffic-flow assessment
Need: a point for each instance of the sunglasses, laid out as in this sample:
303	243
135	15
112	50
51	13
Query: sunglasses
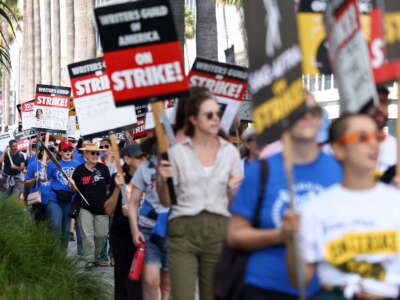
363	137
67	150
105	147
315	110
94	153
209	115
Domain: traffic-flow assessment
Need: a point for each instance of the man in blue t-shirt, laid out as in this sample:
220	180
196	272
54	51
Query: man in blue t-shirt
266	274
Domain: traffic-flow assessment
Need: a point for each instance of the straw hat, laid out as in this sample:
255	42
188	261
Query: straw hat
91	147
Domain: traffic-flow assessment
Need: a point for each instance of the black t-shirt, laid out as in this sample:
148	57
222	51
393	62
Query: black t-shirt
17	159
95	192
120	225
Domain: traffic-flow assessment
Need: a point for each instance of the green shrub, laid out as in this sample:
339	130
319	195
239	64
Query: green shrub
34	267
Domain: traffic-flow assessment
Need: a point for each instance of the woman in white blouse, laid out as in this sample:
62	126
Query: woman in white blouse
206	171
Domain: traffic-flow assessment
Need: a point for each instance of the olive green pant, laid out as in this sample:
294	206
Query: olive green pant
194	245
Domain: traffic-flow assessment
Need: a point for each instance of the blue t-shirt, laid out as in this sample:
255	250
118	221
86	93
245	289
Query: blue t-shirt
79	157
30	159
34	167
57	180
266	268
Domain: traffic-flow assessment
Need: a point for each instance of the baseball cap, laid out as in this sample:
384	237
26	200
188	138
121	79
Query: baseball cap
65	144
132	150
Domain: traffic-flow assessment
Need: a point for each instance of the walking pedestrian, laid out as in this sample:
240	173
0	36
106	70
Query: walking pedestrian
206	171
14	164
350	232
61	195
121	236
92	179
143	215
266	274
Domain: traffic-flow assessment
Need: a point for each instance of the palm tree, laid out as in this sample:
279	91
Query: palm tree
37	43
56	55
47	71
30	89
69	8
5	77
190	30
85	38
206	29
178	11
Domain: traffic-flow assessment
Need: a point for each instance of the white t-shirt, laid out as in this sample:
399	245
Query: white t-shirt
387	153
353	236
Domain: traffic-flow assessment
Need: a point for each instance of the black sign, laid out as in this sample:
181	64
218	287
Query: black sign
141	51
275	80
392	29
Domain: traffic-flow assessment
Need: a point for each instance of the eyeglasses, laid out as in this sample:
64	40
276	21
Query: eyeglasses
105	147
209	115
363	137
315	110
94	153
67	150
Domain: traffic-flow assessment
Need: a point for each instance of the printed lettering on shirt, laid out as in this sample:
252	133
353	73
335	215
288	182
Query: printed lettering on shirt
341	252
61	178
303	192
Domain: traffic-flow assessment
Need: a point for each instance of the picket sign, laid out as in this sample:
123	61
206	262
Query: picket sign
4	140
275	82
28	115
142	52
51	108
94	102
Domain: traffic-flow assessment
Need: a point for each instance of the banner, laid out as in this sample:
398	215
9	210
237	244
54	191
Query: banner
348	54
312	35
275	78
142	53
28	115
51	108
228	83
94	102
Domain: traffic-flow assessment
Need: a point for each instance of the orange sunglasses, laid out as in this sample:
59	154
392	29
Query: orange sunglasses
363	137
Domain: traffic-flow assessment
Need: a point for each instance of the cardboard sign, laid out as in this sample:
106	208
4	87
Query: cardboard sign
228	83
383	70
140	131
348	54
141	50
94	102
312	35
275	79
51	108
28	115
169	110
5	138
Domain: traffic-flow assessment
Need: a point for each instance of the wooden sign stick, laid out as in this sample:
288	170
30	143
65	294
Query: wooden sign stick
115	150
398	129
158	108
288	160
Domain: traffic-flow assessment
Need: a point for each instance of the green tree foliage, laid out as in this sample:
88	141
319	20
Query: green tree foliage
190	29
34	267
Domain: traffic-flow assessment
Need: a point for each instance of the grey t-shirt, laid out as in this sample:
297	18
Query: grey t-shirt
145	180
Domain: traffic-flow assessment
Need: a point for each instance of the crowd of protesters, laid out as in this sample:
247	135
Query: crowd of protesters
348	220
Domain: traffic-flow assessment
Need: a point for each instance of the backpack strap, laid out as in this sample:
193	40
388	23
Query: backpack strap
264	170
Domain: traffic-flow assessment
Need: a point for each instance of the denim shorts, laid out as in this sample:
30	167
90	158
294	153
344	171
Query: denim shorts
156	250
